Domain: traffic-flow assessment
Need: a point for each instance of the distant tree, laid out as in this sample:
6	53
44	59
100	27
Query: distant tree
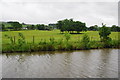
3	27
70	25
46	27
52	26
115	28
40	26
85	28
59	24
28	27
93	28
79	26
23	24
31	27
64	25
16	25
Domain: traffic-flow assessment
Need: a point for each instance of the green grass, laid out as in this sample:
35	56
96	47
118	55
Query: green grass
54	40
94	35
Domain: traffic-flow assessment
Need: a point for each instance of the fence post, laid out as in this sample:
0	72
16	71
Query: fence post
33	39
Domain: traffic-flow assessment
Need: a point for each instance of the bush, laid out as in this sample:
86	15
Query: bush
115	43
104	32
52	40
67	36
85	42
10	38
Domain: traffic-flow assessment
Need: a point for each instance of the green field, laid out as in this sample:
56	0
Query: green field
54	40
46	35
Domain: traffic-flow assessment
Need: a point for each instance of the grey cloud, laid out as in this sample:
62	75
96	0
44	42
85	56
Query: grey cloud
60	0
50	12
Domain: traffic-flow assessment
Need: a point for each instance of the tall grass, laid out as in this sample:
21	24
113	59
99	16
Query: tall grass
20	44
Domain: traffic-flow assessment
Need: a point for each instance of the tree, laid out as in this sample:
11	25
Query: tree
59	25
32	27
3	27
16	25
79	26
115	28
52	26
70	25
104	33
42	27
93	28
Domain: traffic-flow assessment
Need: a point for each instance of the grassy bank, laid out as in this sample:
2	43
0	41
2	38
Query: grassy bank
36	40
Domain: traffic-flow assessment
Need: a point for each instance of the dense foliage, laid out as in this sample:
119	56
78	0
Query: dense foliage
93	28
16	25
115	28
70	25
3	27
104	33
42	27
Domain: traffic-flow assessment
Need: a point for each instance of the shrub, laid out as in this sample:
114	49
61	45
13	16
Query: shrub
115	43
60	41
21	39
52	40
85	42
10	38
67	36
104	32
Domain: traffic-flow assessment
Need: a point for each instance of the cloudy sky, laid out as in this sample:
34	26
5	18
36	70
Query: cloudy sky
50	11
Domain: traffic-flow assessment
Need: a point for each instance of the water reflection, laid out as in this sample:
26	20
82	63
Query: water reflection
103	62
78	64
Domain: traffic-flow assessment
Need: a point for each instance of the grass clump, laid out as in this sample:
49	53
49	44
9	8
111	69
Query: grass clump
85	42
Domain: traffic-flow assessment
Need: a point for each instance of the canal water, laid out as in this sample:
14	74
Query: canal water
97	63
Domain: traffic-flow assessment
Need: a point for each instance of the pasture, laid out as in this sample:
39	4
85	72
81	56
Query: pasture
56	34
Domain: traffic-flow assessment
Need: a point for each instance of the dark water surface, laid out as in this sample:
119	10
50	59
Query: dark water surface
98	63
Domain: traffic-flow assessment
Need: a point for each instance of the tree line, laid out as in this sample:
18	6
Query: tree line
68	25
16	26
112	28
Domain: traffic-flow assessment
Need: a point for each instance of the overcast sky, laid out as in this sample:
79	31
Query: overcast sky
49	11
